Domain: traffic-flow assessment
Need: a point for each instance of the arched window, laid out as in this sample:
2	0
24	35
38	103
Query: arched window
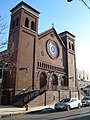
63	81
13	24
72	47
54	79
69	45
32	25
43	79
27	22
17	21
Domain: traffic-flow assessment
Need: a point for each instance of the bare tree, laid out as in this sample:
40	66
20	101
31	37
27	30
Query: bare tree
3	27
5	55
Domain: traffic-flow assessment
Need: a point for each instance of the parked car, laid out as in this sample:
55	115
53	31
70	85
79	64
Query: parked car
85	101
68	104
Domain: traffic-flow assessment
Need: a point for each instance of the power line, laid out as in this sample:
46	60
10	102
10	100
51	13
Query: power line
83	3
86	4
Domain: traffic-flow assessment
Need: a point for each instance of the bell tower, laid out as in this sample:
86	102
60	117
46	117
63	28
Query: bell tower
22	46
70	59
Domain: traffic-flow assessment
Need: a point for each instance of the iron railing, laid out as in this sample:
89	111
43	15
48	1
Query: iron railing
24	97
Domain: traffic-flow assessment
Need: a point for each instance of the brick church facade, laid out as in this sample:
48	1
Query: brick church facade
44	69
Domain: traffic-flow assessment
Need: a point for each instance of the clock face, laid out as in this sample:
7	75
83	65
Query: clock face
52	49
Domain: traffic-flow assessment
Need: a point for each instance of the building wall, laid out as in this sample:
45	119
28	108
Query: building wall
42	47
49	64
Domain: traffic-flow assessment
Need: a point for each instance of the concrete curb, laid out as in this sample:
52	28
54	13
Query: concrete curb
7	112
11	114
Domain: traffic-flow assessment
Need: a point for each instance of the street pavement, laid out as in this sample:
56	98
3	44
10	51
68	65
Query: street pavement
7	111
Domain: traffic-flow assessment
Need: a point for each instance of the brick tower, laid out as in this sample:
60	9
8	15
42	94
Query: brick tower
70	62
22	46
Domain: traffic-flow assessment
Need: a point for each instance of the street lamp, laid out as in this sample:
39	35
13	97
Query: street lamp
69	0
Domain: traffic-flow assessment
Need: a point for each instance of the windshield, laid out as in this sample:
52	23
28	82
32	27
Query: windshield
65	100
86	98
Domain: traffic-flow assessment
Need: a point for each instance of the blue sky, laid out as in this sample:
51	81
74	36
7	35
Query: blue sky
73	17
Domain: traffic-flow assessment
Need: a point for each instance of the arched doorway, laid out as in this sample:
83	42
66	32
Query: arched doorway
63	82
53	82
43	79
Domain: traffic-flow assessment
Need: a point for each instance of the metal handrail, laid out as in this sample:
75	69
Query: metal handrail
23	91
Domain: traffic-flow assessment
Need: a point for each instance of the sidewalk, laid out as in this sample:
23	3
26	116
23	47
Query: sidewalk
6	111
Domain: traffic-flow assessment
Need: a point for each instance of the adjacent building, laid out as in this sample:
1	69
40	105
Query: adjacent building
83	79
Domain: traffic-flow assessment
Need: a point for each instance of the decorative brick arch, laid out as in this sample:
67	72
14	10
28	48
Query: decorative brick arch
42	79
54	79
63	80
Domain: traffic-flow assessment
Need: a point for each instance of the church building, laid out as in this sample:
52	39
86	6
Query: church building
43	67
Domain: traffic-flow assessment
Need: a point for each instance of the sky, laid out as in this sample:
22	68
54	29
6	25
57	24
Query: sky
66	16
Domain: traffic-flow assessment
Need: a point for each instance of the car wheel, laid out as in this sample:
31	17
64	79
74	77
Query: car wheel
56	109
78	106
88	104
68	108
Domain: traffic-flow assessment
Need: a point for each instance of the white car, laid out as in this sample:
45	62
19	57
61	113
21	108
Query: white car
86	101
68	104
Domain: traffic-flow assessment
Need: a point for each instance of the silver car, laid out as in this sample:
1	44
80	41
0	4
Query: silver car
86	101
68	104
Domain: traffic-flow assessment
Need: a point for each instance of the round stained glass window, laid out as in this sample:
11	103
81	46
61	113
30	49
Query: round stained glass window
52	49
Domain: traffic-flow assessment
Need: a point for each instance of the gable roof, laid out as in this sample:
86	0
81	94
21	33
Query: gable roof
48	31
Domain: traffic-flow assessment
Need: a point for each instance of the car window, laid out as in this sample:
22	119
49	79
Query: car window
65	100
72	100
86	99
